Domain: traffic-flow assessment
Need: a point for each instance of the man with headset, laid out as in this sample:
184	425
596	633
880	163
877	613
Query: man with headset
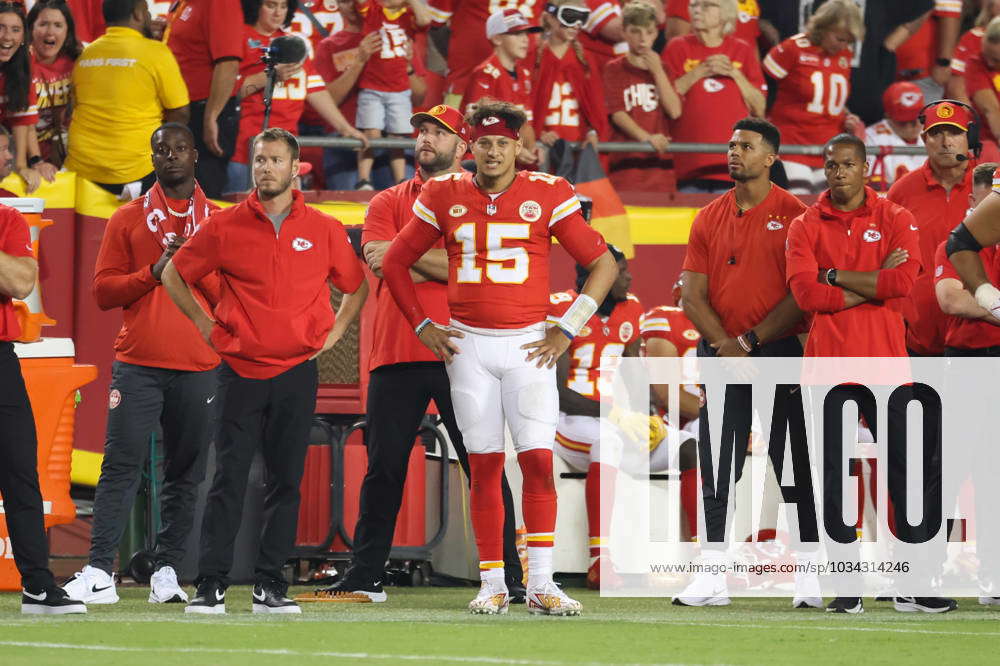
940	191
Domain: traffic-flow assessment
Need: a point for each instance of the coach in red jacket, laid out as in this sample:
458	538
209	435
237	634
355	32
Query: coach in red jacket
274	256
851	258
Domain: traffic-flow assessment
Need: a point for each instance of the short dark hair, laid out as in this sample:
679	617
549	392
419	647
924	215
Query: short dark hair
118	11
175	127
770	133
511	114
848	139
251	11
277	134
983	174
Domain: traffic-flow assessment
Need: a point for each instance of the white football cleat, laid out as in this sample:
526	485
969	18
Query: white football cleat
92	586
549	599
707	589
493	599
164	588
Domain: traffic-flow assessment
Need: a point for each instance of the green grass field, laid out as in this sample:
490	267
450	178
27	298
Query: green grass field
428	626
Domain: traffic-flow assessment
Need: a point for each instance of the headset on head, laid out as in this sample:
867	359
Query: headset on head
975	145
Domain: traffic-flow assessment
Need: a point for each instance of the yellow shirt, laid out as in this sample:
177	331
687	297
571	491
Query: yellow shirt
122	83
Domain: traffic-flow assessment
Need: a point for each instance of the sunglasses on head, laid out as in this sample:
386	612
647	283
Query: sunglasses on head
569	16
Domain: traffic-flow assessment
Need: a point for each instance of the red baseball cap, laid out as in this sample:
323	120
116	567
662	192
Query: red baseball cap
947	113
447	117
903	101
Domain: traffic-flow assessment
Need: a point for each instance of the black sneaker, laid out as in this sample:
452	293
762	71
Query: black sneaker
270	598
349	590
53	601
210	599
516	591
924	604
364	186
850	605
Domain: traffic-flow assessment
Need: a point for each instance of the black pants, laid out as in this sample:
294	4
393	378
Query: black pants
116	188
211	168
739	403
144	401
398	396
22	499
272	415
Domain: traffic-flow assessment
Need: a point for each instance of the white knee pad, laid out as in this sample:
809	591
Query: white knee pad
481	432
533	420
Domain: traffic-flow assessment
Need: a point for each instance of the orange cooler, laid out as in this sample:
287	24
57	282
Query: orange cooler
52	379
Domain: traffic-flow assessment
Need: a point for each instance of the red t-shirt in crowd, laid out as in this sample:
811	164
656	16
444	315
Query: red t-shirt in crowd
601	13
812	91
154	332
491	79
743	256
287	102
969	44
52	88
498	245
979	76
393	339
200	33
915	57
712	105
599	344
747	18
671	324
386	70
468	46
631	90
28	116
15	240
274	304
328	15
88	17
939	212
333	56
963	333
858	240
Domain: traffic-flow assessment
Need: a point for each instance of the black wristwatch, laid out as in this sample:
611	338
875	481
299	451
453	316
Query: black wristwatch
943	62
33	160
831	277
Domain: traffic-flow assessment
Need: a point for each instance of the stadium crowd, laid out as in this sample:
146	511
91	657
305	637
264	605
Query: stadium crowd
750	75
650	71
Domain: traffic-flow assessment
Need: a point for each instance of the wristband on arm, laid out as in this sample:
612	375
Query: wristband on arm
582	309
422	325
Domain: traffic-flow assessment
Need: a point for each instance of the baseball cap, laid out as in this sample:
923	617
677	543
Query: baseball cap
947	113
903	101
508	22
447	117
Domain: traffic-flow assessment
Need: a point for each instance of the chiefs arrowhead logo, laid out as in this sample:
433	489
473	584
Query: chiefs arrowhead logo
489	120
774	225
872	236
301	244
713	85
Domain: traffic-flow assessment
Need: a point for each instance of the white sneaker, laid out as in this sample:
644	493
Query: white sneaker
549	599
493	599
707	589
808	593
164	588
92	586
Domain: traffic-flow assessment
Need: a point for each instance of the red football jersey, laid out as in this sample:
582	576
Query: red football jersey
333	56
712	105
915	57
468	45
28	116
52	88
490	79
498	245
672	325
328	15
960	332
601	12
15	240
288	100
601	342
747	23
562	113
812	91
969	44
979	76
386	70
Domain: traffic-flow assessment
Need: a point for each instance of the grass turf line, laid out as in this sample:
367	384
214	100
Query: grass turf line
430	626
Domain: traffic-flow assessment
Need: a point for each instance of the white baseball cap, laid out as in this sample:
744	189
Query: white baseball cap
508	22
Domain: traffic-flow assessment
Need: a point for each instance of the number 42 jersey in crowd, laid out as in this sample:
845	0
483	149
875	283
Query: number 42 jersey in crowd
498	244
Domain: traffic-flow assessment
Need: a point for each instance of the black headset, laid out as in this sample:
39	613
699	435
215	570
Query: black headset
975	145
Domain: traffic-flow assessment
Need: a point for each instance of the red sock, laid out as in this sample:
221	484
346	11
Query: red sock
486	502
538	496
689	499
600	493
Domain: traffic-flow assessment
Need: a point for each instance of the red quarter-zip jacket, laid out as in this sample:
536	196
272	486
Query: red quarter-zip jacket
857	240
274	304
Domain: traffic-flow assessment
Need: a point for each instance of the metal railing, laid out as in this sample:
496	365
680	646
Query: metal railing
608	146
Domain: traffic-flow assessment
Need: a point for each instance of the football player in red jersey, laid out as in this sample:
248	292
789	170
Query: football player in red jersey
609	334
498	227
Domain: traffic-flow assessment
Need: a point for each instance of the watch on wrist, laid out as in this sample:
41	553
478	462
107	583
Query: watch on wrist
943	62
831	277
33	160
